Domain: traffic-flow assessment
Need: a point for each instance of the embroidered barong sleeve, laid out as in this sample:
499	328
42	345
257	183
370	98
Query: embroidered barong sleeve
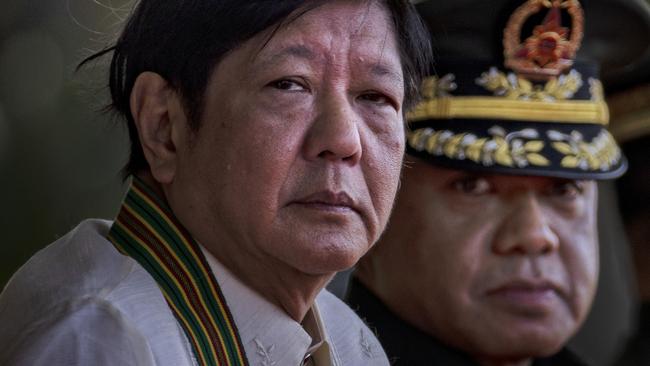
90	333
80	302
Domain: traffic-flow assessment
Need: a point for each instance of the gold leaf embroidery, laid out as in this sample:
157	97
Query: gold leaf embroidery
600	154
473	151
537	159
507	149
563	147
502	152
519	148
432	143
534	146
512	86
570	162
451	148
596	90
435	87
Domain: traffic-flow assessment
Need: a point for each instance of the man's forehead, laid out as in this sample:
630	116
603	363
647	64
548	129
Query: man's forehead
310	48
358	17
299	45
359	22
269	56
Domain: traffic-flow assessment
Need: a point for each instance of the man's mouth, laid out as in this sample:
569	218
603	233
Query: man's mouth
529	296
328	201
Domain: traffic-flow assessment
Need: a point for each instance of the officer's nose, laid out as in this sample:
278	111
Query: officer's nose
525	230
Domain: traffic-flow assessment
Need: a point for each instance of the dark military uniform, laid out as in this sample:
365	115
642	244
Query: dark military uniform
637	352
630	110
406	345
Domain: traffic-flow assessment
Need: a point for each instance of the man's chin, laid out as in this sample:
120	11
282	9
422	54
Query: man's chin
329	263
526	344
537	333
517	354
328	250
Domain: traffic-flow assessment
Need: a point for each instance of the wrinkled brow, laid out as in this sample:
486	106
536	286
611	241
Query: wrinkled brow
298	51
384	71
303	52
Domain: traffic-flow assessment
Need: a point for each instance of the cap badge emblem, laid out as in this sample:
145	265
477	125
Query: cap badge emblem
551	48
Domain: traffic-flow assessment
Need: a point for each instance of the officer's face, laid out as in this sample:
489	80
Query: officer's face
495	265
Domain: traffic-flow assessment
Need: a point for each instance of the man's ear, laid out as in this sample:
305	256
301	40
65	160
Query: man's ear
154	108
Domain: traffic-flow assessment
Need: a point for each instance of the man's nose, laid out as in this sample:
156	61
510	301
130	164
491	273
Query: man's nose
334	134
526	229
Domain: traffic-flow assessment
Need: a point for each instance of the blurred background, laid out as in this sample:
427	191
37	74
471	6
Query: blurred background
60	155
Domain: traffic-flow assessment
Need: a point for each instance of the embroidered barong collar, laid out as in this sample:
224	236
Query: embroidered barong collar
246	329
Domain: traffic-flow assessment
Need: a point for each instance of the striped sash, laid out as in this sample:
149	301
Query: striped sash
147	231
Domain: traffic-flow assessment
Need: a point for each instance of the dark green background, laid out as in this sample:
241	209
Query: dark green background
59	157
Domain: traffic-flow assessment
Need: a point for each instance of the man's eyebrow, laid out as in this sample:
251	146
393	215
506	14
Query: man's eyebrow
381	70
299	51
304	52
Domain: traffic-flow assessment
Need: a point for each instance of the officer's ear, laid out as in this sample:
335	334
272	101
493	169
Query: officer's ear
160	119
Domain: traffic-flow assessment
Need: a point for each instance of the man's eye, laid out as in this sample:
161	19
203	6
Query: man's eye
377	98
472	185
569	189
374	97
287	84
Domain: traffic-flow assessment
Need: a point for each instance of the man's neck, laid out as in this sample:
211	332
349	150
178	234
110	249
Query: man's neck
290	290
283	286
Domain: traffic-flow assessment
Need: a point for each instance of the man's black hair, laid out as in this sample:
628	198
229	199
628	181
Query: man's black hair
182	40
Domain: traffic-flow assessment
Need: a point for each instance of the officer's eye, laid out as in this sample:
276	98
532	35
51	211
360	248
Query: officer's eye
569	188
473	185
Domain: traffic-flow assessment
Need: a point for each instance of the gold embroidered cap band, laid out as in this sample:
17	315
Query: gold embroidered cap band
531	103
503	109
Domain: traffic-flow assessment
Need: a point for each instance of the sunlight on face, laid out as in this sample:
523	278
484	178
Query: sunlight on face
300	149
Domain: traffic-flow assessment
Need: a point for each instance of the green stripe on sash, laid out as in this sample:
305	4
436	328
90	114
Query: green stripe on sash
147	231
